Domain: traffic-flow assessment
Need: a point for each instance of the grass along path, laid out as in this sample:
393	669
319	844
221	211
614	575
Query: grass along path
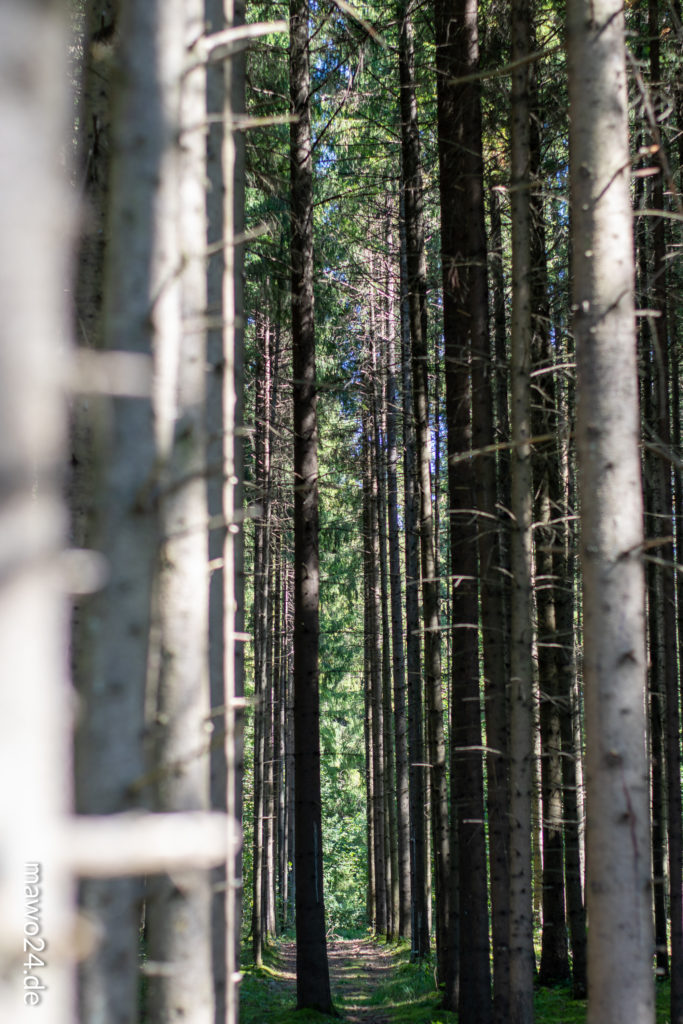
373	983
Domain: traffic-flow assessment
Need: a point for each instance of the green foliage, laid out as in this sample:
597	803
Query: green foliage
405	994
409	992
268	993
556	1006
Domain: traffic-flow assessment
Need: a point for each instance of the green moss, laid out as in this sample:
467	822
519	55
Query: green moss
402	991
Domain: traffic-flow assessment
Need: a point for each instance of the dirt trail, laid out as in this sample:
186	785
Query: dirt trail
357	968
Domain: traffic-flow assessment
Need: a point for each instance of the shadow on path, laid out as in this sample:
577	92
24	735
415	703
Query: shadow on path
357	968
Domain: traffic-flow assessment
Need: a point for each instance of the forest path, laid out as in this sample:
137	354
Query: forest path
358	967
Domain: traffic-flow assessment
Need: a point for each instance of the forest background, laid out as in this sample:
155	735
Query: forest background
333	299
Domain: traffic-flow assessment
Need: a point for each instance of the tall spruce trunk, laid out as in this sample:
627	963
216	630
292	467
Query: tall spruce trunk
378	433
371	897
226	611
396	597
416	287
461	202
312	972
179	907
218	532
116	622
374	681
262	637
495	610
618	877
554	965
521	697
419	892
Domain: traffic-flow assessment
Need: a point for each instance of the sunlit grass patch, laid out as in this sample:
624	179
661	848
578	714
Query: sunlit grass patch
409	994
556	1006
399	991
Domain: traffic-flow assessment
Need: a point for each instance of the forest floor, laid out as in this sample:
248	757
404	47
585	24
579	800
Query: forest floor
371	983
374	983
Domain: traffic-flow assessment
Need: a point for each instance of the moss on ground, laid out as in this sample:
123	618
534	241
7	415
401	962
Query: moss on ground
404	994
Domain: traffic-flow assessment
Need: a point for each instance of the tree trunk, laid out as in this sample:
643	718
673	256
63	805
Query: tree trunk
312	972
228	615
565	607
376	385
116	622
521	716
664	500
416	286
396	595
374	681
179	907
554	965
262	600
419	898
371	899
36	700
618	883
494	612
461	202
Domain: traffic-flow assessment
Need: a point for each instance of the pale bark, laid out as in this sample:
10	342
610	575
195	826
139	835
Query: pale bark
37	216
618	877
116	624
179	907
136	843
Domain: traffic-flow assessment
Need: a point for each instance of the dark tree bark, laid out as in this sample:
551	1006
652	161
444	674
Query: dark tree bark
461	202
313	980
521	722
374	682
416	286
398	650
228	618
554	965
371	898
664	520
570	725
378	474
495	614
262	576
419	891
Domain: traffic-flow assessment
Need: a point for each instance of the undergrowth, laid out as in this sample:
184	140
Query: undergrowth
407	996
